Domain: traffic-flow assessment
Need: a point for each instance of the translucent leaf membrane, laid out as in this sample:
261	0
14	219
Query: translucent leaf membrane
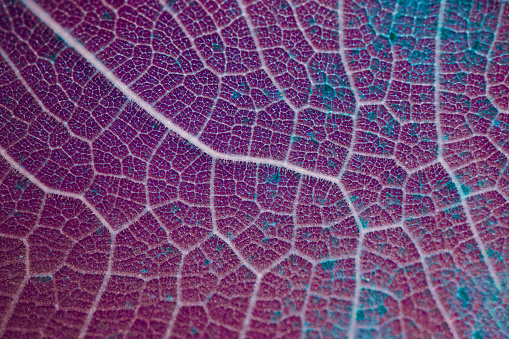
254	169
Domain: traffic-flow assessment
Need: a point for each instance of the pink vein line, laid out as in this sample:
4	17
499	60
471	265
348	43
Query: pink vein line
97	64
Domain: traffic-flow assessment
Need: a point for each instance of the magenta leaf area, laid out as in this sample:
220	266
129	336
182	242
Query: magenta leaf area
254	169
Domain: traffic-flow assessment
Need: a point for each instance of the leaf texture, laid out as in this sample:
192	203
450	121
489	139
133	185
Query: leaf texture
254	169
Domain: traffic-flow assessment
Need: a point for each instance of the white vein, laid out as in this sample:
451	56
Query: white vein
92	59
443	163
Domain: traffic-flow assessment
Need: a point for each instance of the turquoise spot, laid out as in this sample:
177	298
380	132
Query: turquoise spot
43	279
360	315
143	271
392	37
328	91
463	296
465	189
328	265
382	310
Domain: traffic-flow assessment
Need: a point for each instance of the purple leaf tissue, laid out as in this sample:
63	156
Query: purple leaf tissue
254	169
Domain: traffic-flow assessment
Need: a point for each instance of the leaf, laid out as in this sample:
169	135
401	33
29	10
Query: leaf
254	169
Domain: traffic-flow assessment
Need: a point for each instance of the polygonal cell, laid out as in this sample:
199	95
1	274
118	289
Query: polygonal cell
460	294
20	202
133	300
370	143
489	211
235	195
192	321
155	308
12	271
56	158
462	116
328	317
187	225
118	200
329	306
334	278
393	244
320	24
240	52
229	130
476	162
377	310
428	189
48	249
443	232
499	132
280	299
276	189
229	305
237	90
376	119
368	44
69	216
406	290
321	141
411	102
135	255
268	239
497	72
331	91
203	267
374	187
178	163
262	89
338	241
272	132
417	145
320	203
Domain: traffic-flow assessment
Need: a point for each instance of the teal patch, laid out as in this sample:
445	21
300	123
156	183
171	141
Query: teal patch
360	315
382	310
328	265
328	91
463	296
